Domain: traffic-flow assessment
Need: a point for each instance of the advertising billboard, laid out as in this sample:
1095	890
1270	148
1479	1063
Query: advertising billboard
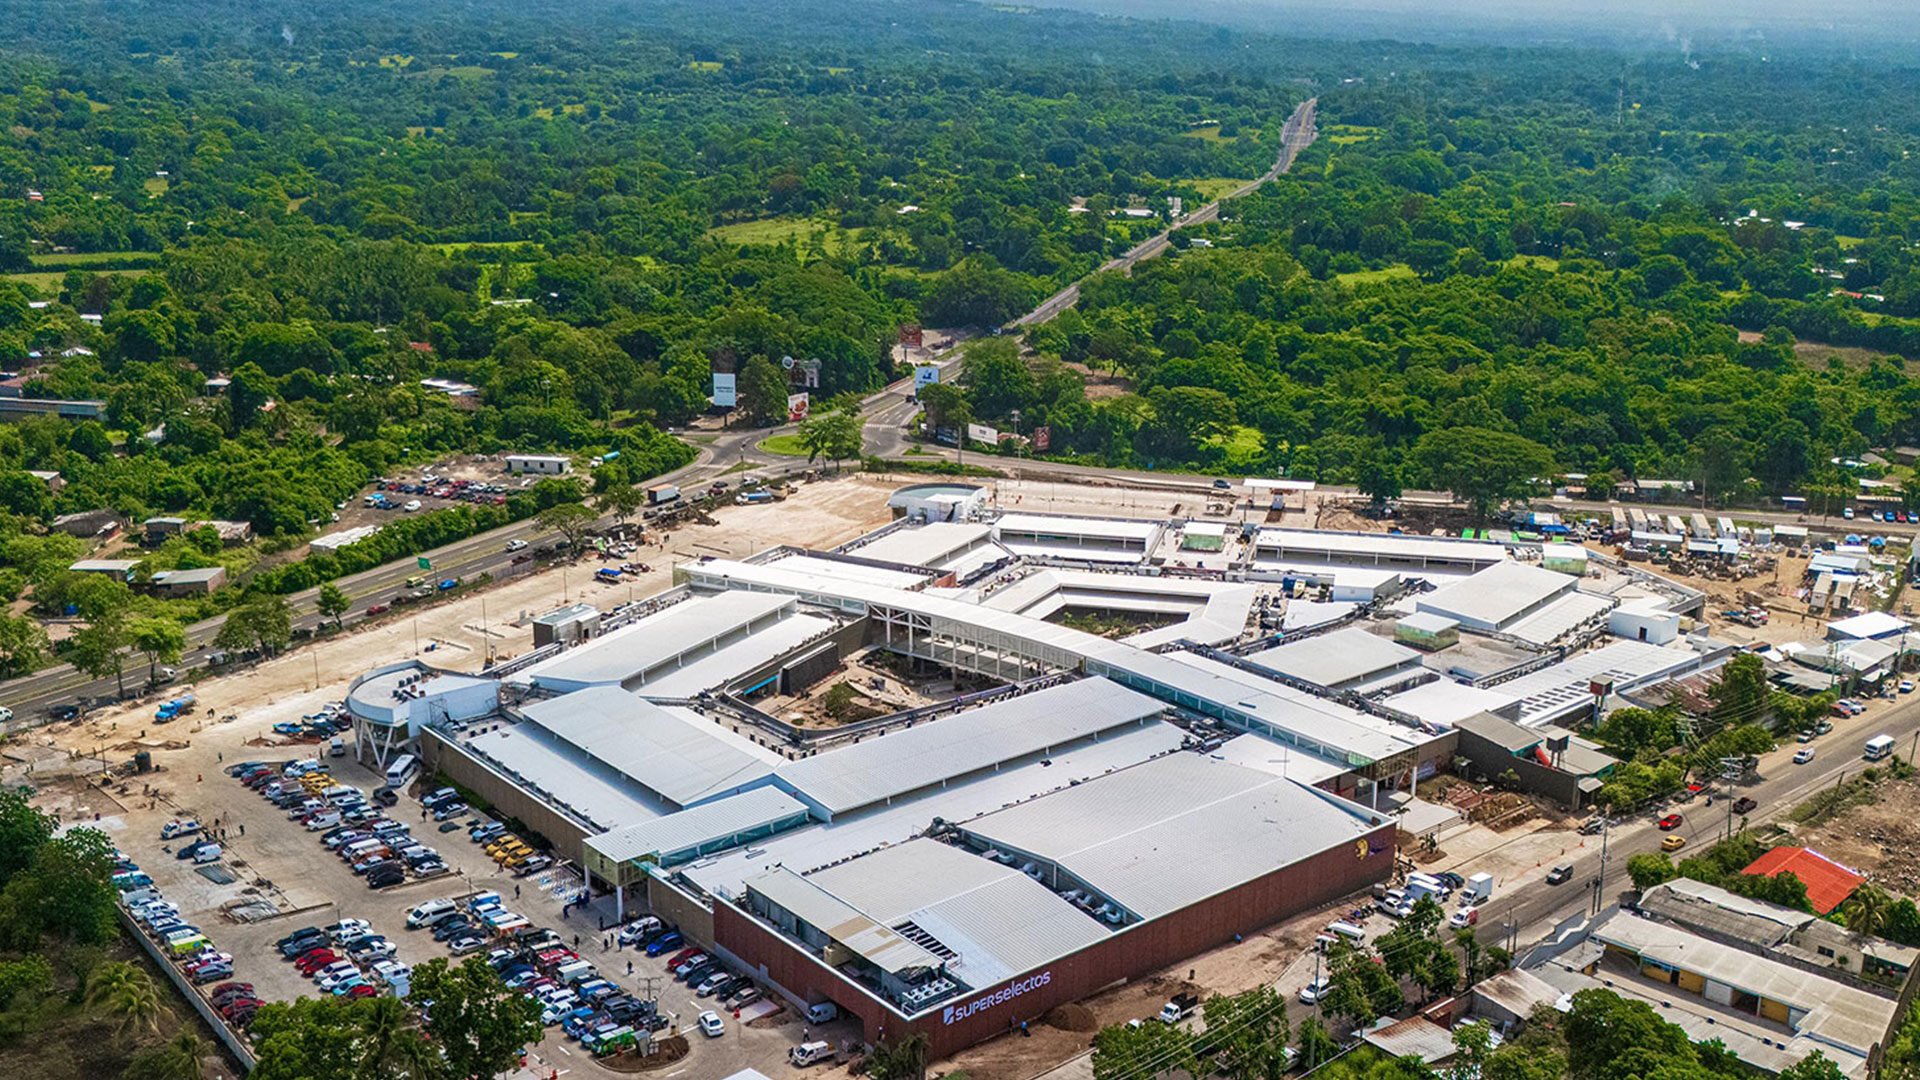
725	394
796	407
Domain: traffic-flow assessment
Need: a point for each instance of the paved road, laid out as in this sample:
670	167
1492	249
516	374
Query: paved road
1532	907
1296	135
888	413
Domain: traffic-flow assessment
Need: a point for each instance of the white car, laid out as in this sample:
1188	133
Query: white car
1311	993
336	973
1804	755
411	506
516	545
711	1025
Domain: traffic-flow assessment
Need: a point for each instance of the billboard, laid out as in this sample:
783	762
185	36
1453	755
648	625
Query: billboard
925	375
910	335
796	407
1042	438
983	433
724	393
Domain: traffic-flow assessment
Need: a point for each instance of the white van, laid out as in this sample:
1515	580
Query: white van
810	1053
427	912
1347	930
823	1011
361	847
1878	747
573	972
206	853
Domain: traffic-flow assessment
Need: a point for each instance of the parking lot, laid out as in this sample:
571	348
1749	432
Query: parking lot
279	861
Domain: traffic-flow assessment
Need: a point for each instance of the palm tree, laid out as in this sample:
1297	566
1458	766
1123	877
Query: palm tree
123	988
177	1059
1867	910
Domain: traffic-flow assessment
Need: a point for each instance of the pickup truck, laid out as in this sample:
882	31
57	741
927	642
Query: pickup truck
1179	1008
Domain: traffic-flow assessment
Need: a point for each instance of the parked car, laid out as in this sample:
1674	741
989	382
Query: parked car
711	1025
1670	822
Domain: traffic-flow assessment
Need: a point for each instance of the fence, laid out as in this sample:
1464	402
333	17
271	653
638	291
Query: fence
228	1037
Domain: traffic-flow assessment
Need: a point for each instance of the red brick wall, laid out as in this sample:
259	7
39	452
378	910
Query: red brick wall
1129	954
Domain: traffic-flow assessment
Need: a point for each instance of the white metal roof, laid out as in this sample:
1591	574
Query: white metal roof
635	650
662	751
761	807
927	545
895	764
1061	525
1176	830
1872	624
1547	625
1497	595
883	946
555	770
732	661
997	920
1554	691
1336	658
1259	484
1445	703
1392	546
851	571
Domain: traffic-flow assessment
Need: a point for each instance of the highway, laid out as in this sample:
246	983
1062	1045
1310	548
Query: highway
1532	907
1296	135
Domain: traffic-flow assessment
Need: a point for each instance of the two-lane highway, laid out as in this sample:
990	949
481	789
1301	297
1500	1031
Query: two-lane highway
1296	135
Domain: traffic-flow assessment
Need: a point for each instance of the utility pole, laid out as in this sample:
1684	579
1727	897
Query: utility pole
1600	882
1730	770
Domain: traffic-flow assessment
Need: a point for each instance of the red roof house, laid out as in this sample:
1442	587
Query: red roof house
1828	883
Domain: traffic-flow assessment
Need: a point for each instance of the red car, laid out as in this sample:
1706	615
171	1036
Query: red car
377	609
233	1008
362	991
681	957
316	960
1670	822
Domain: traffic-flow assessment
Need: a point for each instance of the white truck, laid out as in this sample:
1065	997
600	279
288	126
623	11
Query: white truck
1478	890
1179	1008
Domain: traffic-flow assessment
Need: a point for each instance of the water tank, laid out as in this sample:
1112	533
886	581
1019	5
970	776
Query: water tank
143	761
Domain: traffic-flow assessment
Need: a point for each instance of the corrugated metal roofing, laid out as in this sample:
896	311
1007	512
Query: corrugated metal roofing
1497	595
882	945
999	921
636	649
1380	545
759	808
891	765
1336	658
1170	832
927	545
1044	525
657	749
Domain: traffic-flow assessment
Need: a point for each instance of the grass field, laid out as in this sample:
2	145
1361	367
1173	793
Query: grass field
1849	241
93	258
1396	272
1209	133
46	281
1243	449
1214	187
784	445
1538	262
1347	134
779	230
706	65
462	245
155	186
575	109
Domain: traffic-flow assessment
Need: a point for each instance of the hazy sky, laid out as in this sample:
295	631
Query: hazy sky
1863	26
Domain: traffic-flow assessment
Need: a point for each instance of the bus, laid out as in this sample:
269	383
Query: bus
404	768
1878	747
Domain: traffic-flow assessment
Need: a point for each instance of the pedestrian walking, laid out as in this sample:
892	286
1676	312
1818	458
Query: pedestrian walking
516	892
243	828
576	941
629	967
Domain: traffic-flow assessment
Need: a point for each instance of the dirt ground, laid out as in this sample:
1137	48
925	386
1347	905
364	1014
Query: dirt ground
1880	839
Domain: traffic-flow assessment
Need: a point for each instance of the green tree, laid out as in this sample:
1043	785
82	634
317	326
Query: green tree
128	992
762	391
976	292
1359	989
1480	466
24	829
1250	1033
1413	951
179	1058
1867	910
23	645
903	1059
621	500
1125	1052
1742	693
99	648
1317	1046
1815	1066
480	1025
262	621
332	602
162	639
310	1039
573	521
835	434
1650	868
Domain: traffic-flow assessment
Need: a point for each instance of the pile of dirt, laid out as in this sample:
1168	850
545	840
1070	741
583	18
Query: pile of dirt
1880	838
665	1052
1072	1017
